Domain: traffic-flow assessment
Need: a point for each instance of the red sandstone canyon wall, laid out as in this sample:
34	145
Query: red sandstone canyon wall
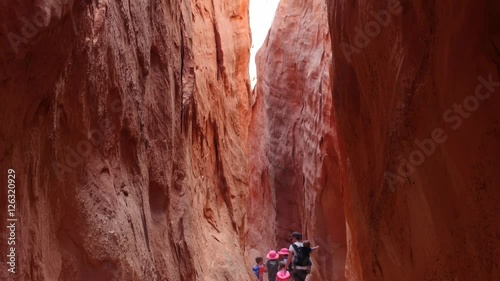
126	125
293	162
416	96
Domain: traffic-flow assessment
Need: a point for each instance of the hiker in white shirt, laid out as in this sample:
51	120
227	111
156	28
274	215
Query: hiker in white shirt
299	272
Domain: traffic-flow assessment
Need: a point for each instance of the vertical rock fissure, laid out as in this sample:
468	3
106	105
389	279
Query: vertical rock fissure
218	45
293	97
222	182
144	223
219	54
182	103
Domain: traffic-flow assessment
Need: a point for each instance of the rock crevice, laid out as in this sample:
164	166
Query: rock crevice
294	169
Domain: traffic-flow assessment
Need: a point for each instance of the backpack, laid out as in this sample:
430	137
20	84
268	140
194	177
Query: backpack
302	256
255	270
272	268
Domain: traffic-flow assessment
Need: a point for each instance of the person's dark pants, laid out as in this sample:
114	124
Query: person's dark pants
300	275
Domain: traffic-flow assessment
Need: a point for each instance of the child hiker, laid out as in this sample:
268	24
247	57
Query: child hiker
259	269
284	256
272	265
283	274
306	252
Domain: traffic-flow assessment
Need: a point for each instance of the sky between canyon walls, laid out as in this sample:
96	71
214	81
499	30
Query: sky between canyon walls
261	17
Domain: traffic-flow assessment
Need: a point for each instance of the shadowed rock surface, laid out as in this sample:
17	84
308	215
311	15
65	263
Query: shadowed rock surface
438	221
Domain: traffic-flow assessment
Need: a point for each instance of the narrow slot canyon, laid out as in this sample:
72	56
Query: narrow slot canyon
293	160
136	143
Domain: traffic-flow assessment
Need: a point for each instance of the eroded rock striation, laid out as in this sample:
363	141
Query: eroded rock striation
126	125
416	96
293	162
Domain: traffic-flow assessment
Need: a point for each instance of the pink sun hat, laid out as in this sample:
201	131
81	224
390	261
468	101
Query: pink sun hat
283	275
284	251
272	255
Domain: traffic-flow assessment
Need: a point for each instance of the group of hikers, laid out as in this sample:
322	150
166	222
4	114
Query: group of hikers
290	264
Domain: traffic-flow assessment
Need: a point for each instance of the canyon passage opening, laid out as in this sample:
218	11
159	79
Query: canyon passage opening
293	151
